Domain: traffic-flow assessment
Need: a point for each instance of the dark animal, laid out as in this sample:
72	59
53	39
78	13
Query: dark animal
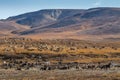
105	66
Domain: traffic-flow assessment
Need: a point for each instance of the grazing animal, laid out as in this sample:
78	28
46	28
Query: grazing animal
91	66
105	66
65	67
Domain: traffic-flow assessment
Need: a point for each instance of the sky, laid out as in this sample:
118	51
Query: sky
15	7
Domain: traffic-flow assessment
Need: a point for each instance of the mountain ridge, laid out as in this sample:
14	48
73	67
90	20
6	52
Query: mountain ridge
70	23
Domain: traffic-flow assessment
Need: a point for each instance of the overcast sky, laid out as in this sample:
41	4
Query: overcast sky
16	7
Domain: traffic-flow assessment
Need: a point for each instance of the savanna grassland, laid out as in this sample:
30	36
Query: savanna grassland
60	59
72	50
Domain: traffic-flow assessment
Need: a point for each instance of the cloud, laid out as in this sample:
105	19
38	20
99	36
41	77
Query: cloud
97	3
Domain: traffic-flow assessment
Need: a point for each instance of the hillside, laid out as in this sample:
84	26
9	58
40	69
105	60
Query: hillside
99	23
43	17
7	28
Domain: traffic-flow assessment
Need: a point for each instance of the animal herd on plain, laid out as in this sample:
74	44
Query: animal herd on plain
24	65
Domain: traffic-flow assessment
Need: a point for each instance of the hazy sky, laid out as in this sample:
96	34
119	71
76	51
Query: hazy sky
15	7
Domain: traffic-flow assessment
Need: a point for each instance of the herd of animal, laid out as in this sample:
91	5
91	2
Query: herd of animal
47	65
44	62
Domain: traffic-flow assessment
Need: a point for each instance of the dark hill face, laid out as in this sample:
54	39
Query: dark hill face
98	20
101	12
43	17
94	21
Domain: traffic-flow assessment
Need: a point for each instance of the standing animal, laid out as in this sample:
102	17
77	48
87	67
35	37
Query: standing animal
105	66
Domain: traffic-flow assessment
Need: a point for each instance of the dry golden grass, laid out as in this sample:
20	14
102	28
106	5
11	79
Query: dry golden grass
89	50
